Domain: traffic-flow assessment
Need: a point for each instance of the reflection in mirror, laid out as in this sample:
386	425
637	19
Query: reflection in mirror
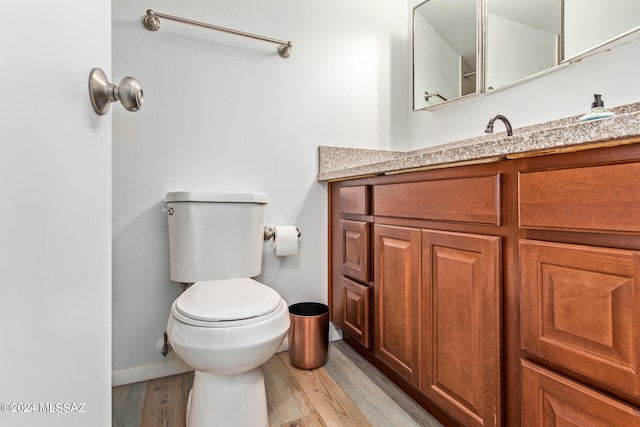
591	23
444	51
524	38
520	39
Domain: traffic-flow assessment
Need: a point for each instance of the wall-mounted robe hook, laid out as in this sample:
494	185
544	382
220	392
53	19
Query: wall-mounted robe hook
102	92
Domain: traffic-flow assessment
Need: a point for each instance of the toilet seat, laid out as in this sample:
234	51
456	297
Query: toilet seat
224	303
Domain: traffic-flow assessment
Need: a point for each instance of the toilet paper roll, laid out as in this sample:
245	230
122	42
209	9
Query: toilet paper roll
286	241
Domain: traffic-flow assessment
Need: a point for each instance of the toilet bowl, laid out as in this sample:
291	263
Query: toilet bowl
225	325
225	330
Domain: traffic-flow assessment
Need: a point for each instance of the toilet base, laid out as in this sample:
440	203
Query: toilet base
228	400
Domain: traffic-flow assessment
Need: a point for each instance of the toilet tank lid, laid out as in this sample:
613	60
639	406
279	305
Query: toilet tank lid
204	197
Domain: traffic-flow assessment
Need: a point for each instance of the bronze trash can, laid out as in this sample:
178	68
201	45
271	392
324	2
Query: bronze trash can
308	334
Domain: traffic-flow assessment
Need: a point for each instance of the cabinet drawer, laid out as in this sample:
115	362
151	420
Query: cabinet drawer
580	310
356	312
355	249
354	200
603	198
472	200
552	400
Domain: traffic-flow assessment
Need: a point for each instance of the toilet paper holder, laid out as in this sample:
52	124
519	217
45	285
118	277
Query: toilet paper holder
270	232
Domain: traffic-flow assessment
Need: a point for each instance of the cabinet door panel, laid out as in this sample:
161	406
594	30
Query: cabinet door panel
580	309
356	313
396	293
461	318
552	400
355	249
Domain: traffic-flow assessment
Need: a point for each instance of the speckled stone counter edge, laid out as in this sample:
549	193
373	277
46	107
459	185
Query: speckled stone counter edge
340	163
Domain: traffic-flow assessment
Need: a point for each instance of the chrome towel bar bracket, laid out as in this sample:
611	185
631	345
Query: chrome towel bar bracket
151	22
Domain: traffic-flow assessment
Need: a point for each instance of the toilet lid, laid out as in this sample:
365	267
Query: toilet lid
224	300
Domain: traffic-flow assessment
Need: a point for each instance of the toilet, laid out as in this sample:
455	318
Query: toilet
225	325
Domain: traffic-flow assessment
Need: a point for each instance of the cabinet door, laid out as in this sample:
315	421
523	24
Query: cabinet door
356	312
580	309
355	249
461	325
396	294
552	400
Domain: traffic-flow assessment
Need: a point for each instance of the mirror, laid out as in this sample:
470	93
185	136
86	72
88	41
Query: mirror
445	45
524	38
465	47
590	25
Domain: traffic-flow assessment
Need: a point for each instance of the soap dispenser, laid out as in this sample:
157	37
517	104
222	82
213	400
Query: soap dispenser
597	110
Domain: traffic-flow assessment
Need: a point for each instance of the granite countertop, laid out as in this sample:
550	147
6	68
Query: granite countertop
566	134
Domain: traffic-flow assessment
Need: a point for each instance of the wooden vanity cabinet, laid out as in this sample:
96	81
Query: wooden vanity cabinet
498	294
350	234
579	255
437	287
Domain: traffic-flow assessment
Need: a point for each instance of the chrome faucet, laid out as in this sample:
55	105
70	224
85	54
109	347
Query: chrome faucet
504	120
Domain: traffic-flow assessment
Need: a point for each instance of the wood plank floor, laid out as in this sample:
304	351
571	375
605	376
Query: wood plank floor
346	391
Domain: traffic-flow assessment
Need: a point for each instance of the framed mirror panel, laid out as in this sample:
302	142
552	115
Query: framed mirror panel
445	51
524	38
462	48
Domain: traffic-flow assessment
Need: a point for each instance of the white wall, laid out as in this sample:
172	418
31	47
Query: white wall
55	244
561	93
223	113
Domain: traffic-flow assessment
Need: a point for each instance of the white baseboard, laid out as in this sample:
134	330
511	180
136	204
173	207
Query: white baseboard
335	334
172	365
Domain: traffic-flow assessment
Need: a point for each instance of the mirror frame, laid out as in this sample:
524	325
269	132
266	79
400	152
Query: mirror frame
622	38
481	54
481	21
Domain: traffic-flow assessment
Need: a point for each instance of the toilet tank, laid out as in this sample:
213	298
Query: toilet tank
215	235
